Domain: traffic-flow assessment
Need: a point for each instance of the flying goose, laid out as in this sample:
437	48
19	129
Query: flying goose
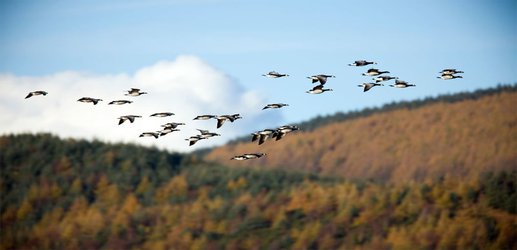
222	118
162	114
130	118
239	158
135	92
450	72
361	63
254	155
149	134
448	76
38	92
167	130
204	117
375	72
320	78
318	90
384	78
275	106
89	99
205	134
402	84
368	86
193	139
262	135
274	74
172	124
284	130
120	102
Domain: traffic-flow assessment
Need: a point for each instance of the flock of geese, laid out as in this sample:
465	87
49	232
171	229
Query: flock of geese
263	135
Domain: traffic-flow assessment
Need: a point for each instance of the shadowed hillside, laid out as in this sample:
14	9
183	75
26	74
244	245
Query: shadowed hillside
460	136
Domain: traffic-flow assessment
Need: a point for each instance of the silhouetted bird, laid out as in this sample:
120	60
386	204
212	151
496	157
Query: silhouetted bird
38	92
368	86
135	92
361	63
89	99
274	74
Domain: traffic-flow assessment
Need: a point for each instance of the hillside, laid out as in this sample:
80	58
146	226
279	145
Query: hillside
77	194
460	136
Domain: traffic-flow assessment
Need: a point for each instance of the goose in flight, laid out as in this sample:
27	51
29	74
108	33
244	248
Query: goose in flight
135	92
34	93
448	76
283	130
402	84
205	134
167	130
119	102
375	72
368	86
318	90
89	99
193	139
274	74
162	114
222	118
384	78
204	117
172	124
320	78
130	118
275	106
361	63
248	156
150	134
450	71
262	135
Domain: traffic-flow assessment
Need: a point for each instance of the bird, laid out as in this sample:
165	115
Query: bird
254	155
384	78
135	92
361	63
172	124
262	135
275	106
38	92
402	84
167	130
368	86
193	139
130	118
375	72
318	90
162	114
320	78
222	118
89	99
283	130
239	158
450	71
149	134
448	76
120	102
204	117
274	74
205	134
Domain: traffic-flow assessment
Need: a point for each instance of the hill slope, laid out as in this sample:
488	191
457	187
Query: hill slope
462	138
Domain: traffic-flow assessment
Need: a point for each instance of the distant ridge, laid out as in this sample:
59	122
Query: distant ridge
460	135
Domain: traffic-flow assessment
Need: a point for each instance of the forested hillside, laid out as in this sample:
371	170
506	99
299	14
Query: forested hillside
460	136
75	194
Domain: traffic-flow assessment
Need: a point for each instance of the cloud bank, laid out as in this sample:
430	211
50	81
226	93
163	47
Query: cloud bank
186	86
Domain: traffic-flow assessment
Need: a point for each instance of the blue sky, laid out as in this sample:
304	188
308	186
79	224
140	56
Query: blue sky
244	39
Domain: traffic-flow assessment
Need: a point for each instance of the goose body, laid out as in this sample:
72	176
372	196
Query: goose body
450	71
204	117
322	79
167	130
193	139
120	102
150	134
248	156
172	124
263	135
368	86
275	106
34	93
284	130
361	63
205	134
130	118
274	74
89	99
222	118
448	76
162	114
402	84
135	92
239	158
384	78
375	72
318	90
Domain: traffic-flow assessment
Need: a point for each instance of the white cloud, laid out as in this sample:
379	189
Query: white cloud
187	87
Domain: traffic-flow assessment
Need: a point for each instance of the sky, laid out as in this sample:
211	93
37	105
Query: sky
208	56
